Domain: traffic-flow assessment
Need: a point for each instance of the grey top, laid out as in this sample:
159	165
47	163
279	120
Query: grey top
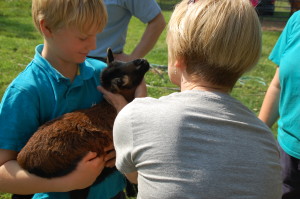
197	144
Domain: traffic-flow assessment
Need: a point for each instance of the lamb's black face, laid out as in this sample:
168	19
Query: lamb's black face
123	75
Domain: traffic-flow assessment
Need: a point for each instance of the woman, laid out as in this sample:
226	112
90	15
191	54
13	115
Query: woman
201	142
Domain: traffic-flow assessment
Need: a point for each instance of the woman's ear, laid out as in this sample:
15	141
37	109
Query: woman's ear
45	29
180	64
175	70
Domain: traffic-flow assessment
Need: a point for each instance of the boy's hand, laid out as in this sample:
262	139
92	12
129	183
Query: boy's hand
110	157
86	172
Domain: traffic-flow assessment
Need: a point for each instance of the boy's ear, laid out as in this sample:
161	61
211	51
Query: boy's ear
45	30
110	56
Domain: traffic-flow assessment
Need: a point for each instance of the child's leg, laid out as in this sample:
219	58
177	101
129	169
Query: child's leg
290	175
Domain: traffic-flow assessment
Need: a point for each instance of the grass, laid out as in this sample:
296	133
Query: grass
18	39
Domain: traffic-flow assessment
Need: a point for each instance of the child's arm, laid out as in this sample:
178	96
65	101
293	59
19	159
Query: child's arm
13	179
269	112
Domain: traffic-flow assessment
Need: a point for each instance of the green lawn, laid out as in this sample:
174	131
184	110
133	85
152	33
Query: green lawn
18	39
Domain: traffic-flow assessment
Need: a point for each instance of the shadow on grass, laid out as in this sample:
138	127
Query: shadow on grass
13	28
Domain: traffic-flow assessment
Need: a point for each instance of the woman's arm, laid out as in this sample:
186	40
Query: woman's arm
118	101
132	177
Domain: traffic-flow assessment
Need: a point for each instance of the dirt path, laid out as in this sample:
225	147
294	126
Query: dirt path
271	25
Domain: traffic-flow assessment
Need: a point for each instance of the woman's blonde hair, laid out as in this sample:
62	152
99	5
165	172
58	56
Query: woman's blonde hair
219	40
65	13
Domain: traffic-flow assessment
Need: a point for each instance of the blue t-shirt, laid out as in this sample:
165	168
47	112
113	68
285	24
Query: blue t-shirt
119	15
286	55
40	93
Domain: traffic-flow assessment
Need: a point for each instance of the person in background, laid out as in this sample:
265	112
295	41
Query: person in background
254	2
58	80
201	142
282	100
115	33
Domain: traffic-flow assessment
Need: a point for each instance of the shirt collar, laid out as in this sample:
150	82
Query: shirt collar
86	70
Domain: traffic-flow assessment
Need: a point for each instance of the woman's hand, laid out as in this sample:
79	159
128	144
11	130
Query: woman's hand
115	99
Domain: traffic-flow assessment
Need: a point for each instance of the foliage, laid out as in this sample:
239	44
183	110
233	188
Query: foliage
5	196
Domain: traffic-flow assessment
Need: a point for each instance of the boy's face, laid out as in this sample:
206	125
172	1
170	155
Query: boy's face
70	45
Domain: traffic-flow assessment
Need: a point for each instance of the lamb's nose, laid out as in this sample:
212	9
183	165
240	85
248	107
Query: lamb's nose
138	61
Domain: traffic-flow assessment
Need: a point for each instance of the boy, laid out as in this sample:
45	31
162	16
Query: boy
58	80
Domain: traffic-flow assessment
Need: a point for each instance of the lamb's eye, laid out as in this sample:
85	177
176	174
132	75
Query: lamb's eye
119	82
125	80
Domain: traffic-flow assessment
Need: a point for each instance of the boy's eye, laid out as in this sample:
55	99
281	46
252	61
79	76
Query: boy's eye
83	38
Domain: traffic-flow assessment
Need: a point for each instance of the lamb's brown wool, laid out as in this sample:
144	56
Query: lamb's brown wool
58	145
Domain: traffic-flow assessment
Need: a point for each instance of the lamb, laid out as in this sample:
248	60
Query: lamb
57	146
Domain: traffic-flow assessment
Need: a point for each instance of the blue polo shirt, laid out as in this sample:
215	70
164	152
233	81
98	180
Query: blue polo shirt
286	55
40	93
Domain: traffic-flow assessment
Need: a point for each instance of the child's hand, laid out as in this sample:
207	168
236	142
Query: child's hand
86	172
110	157
117	100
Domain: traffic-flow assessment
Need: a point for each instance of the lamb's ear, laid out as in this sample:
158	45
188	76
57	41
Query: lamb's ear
110	56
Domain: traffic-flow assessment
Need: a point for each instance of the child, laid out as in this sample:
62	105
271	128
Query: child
201	142
58	80
282	101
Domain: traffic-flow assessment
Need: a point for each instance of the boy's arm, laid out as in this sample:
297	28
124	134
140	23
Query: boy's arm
13	179
269	112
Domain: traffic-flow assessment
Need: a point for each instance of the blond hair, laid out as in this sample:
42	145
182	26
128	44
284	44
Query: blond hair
219	40
58	14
